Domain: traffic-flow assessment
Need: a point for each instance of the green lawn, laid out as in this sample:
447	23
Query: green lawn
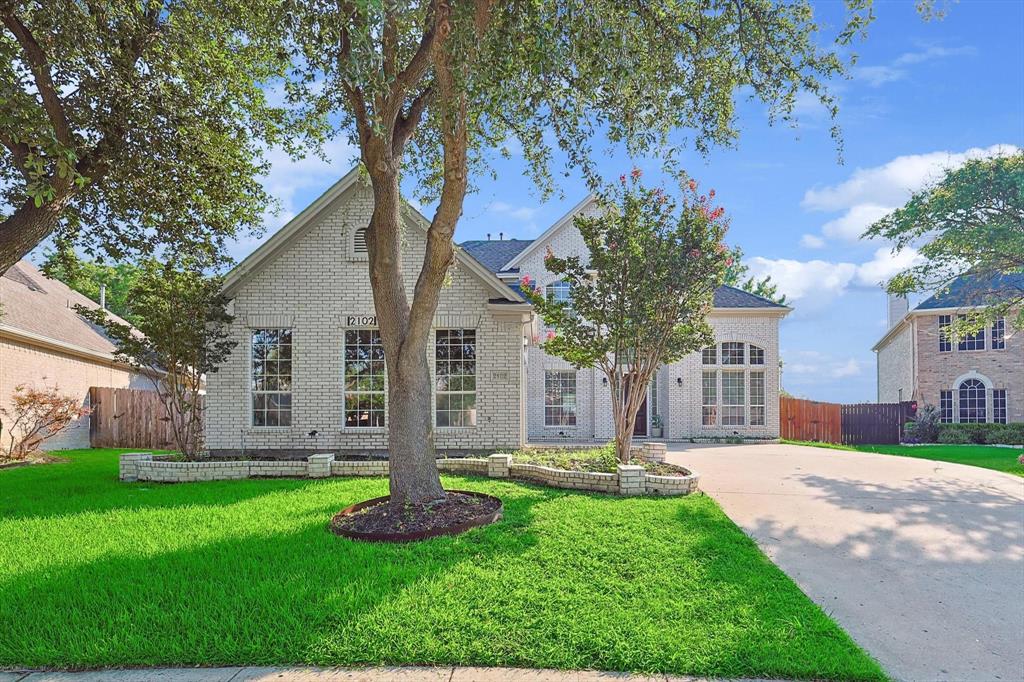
987	456
99	573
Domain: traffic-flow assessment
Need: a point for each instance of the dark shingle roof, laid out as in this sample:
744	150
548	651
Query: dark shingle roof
970	291
494	253
731	297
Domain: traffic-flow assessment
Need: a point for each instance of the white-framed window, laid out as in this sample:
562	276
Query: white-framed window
732	353
709	356
756	354
365	382
999	405
999	334
560	397
972	402
733	398
559	292
455	377
709	398
945	344
271	377
974	341
946	407
757	398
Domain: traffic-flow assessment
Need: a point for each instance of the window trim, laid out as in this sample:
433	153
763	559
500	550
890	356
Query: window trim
1000	324
945	341
253	392
475	392
714	398
763	405
1000	405
742	354
983	400
944	393
743	399
562	405
345	392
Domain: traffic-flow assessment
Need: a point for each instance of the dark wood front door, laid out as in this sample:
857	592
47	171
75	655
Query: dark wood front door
640	427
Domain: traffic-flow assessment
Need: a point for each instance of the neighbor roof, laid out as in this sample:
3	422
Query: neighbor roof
495	253
972	290
38	307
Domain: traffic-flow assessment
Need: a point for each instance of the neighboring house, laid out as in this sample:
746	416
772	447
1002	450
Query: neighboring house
308	372
979	378
45	343
729	389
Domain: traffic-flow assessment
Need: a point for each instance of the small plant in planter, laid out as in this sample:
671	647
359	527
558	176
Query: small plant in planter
656	426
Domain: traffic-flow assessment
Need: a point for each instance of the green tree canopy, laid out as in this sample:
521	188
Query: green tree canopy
641	297
86	276
128	125
968	224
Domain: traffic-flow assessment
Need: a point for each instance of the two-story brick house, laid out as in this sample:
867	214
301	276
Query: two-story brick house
308	373
978	378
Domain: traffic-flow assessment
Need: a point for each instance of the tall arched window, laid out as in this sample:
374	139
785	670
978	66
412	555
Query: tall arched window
972	401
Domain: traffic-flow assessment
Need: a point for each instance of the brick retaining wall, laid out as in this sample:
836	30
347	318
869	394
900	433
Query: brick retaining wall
628	480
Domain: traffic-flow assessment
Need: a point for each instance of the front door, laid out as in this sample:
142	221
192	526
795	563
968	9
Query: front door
640	427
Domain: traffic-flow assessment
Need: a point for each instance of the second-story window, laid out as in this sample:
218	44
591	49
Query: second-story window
732	353
999	334
945	344
974	341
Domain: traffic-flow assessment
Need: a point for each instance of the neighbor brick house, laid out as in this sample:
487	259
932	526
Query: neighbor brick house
44	343
979	378
308	372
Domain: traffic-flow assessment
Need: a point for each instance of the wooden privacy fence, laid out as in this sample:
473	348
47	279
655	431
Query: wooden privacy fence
809	420
128	418
856	424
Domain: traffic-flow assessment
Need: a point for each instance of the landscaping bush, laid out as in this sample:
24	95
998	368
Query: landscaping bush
925	429
35	415
982	434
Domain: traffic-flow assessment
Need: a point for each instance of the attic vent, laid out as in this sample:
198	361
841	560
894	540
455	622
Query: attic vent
359	241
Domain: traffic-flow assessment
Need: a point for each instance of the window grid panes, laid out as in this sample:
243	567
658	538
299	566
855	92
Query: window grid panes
733	399
945	345
455	377
999	334
732	353
999	406
756	355
709	398
558	292
560	398
972	402
271	377
972	341
364	379
946	407
757	398
709	355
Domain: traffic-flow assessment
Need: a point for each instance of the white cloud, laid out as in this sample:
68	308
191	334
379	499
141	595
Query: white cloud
848	369
870	193
812	241
517	212
880	74
885	265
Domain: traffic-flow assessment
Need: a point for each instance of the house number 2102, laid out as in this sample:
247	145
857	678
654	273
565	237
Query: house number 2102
361	321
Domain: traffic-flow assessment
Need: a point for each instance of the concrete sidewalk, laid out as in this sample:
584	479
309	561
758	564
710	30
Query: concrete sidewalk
403	674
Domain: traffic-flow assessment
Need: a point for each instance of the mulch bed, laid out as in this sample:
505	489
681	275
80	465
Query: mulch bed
374	520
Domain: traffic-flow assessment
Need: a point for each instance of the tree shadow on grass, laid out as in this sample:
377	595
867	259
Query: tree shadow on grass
249	598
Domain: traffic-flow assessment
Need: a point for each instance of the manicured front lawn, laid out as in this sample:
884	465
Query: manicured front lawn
987	456
99	573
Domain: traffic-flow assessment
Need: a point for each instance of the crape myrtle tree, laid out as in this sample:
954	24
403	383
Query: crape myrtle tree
641	297
426	89
182	337
131	125
971	222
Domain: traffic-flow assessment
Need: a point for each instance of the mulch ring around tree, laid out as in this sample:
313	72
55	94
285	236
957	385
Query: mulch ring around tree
375	521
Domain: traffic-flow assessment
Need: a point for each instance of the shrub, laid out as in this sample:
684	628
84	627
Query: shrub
35	415
925	429
982	434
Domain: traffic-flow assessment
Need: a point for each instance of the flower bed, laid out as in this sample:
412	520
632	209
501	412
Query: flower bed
627	479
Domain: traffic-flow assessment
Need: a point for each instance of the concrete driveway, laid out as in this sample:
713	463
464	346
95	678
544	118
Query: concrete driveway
921	562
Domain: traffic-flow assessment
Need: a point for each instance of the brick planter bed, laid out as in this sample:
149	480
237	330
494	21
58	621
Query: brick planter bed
627	480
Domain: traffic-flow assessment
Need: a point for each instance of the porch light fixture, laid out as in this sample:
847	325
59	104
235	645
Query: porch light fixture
679	380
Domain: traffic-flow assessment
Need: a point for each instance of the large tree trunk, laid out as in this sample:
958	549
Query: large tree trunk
414	476
25	229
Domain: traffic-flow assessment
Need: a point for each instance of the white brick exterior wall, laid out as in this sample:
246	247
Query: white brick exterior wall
896	367
311	286
679	405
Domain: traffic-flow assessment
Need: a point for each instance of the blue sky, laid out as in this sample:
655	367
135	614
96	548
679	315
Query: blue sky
922	96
